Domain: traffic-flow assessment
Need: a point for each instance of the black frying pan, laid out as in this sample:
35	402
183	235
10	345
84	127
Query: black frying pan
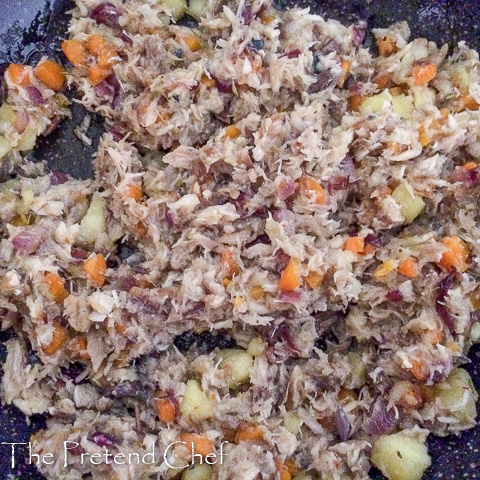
32	28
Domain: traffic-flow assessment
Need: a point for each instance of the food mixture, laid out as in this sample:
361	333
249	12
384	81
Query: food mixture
279	250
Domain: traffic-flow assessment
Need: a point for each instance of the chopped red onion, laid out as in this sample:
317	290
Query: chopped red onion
58	178
342	424
381	420
127	282
117	136
263	239
27	242
281	260
290	297
394	295
125	38
106	13
443	287
35	95
79	253
170	218
373	240
293	53
287	219
247	14
359	33
470	178
102	439
337	184
348	168
108	89
286	189
223	86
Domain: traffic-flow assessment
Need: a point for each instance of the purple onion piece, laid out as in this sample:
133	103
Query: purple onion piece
469	178
223	86
337	184
247	14
79	253
117	136
35	95
381	420
443	287
125	38
26	242
77	450
342	425
373	240
108	89
58	178
127	282
348	168
73	371
281	260
261	239
286	334
359	33
170	218
295	53
394	295
106	14
102	439
286	189
287	219
289	297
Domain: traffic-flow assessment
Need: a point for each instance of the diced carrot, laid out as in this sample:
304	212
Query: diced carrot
469	166
79	348
292	467
289	279
58	339
95	43
355	101
108	57
166	410
383	80
423	137
120	328
232	131
141	229
466	102
268	19
455	258
248	433
75	52
354	244
384	269
56	284
97	74
386	46
422	74
368	249
444	112
409	267
209	82
95	267
283	470
229	264
419	369
192	42
309	184
314	280
347	393
134	191
346	70
201	444
51	74
18	74
433	337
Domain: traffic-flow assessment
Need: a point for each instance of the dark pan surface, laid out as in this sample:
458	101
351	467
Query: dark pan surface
32	28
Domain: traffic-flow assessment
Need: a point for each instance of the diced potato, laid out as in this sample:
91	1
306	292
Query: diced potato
462	77
7	117
411	206
27	198
402	106
375	103
5	146
358	374
177	7
451	394
400	457
28	139
196	405
196	8
199	471
423	96
93	223
293	423
238	363
475	332
256	347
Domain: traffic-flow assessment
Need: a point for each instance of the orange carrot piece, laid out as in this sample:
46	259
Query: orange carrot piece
314	280
422	74
209	82
232	131
368	249
283	470
18	74
346	70
201	444
75	52
95	43
248	433
134	191
108	57
419	369
166	410
455	258
386	46
58	339
469	166
309	184
423	137
230	264
383	80
192	42
466	102
355	101
289	279
433	337
97	74
409	267
51	74
95	267
56	284
80	348
354	244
